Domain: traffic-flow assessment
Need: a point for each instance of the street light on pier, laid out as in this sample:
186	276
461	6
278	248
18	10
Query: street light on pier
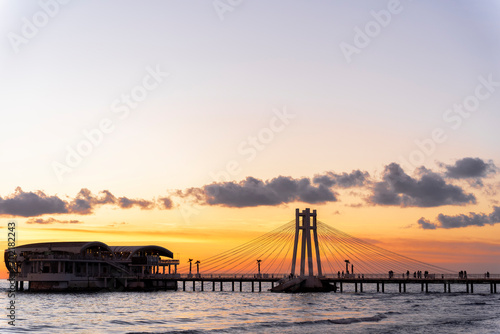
190	264
258	265
198	267
347	266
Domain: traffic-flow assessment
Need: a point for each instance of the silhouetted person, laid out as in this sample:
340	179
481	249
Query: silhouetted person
414	274
465	274
338	274
407	274
487	274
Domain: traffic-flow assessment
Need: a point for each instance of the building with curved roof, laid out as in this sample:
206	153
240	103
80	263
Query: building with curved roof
91	265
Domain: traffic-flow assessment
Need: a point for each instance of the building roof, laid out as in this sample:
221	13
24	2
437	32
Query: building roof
68	247
135	249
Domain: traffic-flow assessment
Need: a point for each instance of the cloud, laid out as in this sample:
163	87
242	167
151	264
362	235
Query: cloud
426	224
33	204
428	190
472	219
126	203
470	168
254	192
356	178
51	220
165	203
28	204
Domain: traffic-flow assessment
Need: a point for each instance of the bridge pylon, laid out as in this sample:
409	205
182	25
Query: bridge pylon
306	233
306	221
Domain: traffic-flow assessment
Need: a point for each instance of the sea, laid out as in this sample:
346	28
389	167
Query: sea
255	312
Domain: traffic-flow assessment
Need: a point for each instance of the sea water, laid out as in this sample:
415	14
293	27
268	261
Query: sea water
255	312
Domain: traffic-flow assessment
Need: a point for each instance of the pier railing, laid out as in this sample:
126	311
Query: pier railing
225	276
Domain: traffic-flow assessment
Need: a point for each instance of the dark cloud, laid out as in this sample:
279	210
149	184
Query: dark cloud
470	168
33	204
356	178
428	190
126	203
51	220
426	224
254	192
29	204
85	202
165	203
472	219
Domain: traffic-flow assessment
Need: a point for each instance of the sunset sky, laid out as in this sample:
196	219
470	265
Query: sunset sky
198	125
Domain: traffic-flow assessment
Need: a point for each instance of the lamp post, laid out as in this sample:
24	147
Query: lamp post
347	266
258	265
198	267
190	264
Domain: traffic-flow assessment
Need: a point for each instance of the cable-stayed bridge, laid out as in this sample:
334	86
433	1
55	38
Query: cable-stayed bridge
308	255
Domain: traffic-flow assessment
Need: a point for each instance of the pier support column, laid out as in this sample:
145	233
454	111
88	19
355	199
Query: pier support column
471	288
232	286
260	286
360	287
383	290
341	287
21	286
194	285
213	285
252	286
444	287
449	287
495	287
426	287
423	287
399	287
183	285
378	287
467	287
221	286
356	287
241	286
404	287
202	285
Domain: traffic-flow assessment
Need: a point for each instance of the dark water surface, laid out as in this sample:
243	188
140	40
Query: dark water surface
247	312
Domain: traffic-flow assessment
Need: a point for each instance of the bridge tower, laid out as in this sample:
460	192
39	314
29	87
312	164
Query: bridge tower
306	222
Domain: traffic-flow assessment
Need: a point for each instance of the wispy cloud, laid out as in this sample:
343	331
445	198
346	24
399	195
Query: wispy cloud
51	220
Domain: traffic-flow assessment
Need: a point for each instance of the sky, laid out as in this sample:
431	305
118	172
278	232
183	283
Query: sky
198	125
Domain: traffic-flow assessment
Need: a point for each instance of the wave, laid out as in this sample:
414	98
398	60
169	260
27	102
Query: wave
276	325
